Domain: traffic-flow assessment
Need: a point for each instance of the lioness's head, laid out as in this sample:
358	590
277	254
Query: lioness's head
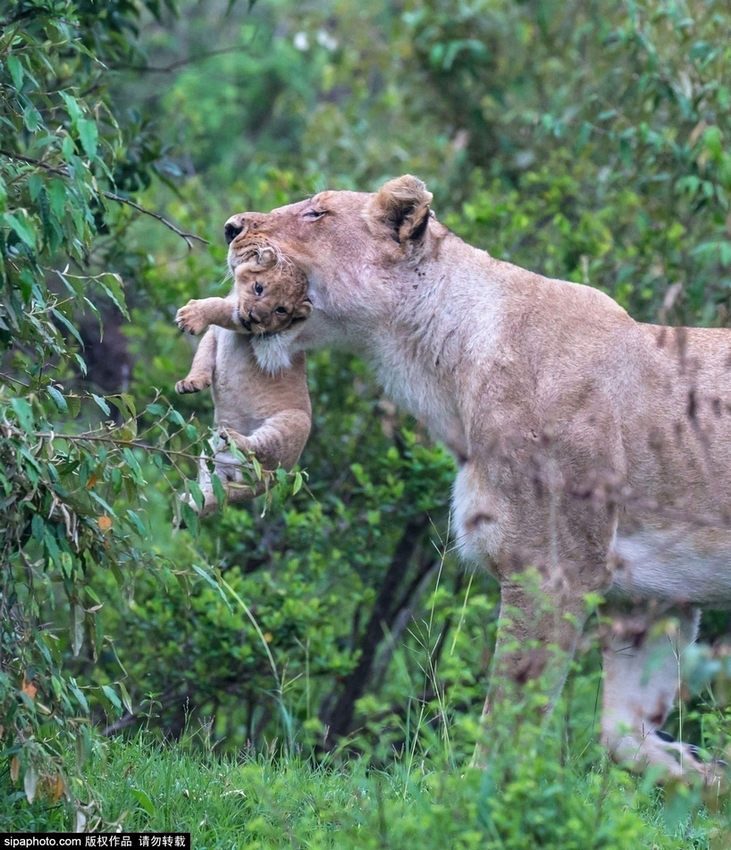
350	246
344	224
271	291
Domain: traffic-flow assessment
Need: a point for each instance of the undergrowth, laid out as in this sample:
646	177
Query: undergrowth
522	801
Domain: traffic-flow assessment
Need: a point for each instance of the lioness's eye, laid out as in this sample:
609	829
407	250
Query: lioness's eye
281	310
258	288
313	214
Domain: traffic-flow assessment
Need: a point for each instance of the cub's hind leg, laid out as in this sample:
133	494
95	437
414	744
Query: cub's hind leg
642	657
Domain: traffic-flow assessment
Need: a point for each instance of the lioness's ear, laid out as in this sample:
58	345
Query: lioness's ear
402	204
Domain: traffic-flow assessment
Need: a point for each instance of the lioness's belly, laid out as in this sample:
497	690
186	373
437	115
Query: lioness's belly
680	562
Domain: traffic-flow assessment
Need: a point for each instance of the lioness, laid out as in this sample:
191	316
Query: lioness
267	415
591	447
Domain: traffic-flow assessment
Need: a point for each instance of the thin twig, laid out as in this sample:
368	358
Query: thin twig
31	161
186	236
179	63
6	377
100	438
127	444
112	196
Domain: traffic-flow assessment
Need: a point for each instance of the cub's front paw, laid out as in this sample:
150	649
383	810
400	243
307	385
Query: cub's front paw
191	319
192	385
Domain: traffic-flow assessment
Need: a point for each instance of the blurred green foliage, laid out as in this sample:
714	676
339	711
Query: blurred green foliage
583	140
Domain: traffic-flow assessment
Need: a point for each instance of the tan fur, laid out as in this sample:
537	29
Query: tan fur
266	415
592	448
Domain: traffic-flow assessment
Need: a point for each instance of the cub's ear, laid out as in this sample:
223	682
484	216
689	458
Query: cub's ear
258	258
266	257
303	310
402	205
249	265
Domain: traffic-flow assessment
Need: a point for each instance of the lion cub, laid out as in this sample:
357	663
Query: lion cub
266	415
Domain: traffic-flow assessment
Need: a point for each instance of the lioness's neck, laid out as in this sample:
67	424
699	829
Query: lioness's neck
433	327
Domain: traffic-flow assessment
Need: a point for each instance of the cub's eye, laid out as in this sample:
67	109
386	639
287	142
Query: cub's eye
281	310
313	214
258	289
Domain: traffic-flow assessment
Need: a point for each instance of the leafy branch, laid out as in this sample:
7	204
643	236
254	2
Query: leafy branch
112	196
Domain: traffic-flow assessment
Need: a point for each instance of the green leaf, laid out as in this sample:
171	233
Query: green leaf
297	486
31	118
72	107
70	326
22	227
38	527
190	518
112	697
126	701
16	70
218	490
35	184
67	148
89	134
257	467
58	398
144	801
215	585
23	413
101	404
197	494
58	197
135	520
114	287
78	693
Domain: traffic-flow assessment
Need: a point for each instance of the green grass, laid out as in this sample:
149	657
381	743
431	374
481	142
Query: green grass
287	802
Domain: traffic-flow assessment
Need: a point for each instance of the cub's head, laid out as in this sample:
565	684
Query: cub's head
270	291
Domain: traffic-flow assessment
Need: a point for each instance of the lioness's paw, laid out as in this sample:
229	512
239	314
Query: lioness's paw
191	319
192	385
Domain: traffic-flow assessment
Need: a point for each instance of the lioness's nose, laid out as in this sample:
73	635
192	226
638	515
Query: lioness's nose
241	223
231	229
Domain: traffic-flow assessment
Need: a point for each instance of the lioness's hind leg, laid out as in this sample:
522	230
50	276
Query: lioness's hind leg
642	657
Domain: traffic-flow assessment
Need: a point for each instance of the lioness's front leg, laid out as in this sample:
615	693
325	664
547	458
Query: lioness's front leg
199	313
537	635
546	567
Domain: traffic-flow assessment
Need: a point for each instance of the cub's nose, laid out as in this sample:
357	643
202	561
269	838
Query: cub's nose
231	230
258	316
